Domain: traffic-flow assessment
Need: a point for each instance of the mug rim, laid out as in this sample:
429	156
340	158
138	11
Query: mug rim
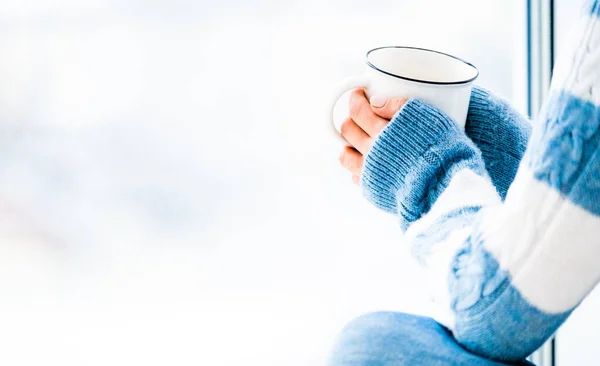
459	82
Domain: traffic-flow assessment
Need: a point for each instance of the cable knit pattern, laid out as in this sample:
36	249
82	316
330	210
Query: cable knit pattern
504	274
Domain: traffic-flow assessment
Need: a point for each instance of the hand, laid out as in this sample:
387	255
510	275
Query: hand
364	124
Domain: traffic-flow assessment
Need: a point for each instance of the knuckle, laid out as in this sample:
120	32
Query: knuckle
368	143
348	159
343	158
350	162
355	102
344	128
357	93
355	108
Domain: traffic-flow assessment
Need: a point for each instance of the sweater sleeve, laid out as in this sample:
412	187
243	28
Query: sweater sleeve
506	274
500	133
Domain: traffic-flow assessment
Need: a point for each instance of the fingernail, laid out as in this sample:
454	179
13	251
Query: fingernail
377	101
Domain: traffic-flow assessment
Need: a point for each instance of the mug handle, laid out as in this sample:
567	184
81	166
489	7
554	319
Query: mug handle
353	82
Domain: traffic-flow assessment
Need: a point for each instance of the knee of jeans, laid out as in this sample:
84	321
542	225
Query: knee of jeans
356	333
366	339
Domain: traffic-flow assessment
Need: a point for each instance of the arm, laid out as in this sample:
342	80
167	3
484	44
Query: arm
459	230
508	273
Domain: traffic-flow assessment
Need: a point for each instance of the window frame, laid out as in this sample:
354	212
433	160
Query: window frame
540	61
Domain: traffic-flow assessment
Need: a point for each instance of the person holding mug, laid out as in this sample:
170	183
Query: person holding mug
504	219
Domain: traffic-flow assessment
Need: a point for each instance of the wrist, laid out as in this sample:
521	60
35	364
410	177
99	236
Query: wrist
404	150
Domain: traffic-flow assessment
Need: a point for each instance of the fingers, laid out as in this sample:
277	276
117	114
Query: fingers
386	108
366	120
356	136
352	160
363	115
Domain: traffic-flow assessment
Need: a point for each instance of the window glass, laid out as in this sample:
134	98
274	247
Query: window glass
170	161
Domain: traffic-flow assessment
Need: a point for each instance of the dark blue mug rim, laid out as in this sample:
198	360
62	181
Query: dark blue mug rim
459	82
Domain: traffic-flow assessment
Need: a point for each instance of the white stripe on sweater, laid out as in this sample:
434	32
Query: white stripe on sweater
466	189
545	242
440	264
579	73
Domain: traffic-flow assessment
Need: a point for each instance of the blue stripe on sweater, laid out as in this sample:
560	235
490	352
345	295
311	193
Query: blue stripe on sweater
491	316
457	219
565	152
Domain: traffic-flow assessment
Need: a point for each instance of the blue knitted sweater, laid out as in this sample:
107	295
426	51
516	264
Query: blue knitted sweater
505	225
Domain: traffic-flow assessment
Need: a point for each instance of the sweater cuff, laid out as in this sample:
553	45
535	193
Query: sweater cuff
411	132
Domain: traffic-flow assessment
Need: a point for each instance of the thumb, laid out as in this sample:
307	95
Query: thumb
386	108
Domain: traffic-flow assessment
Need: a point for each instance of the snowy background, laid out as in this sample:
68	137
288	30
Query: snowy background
169	192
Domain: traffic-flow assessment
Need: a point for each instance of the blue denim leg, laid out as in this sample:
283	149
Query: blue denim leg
394	339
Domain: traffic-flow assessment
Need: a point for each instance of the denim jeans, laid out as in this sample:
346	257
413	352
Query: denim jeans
394	339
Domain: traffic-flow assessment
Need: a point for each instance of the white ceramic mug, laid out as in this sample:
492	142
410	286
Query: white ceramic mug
439	79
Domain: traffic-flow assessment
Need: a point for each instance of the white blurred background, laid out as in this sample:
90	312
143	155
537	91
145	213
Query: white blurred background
169	194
